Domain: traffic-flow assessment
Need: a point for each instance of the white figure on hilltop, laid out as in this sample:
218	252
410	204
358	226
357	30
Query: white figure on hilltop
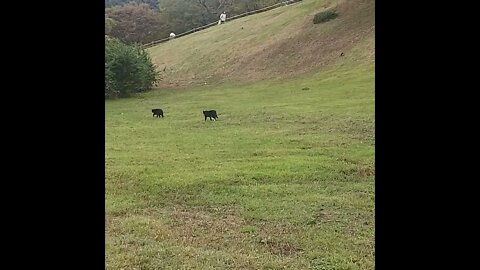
223	18
172	35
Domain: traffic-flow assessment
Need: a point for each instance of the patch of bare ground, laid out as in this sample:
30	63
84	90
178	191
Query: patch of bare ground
214	229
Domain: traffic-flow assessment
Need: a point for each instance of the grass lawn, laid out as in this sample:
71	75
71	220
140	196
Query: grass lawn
283	180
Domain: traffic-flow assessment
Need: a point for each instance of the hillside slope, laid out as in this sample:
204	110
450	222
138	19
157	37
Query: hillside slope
282	42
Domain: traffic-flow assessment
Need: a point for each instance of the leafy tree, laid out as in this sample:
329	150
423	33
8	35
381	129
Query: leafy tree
135	23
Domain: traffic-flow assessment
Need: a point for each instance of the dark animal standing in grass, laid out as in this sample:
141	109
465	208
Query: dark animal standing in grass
211	114
342	54
157	112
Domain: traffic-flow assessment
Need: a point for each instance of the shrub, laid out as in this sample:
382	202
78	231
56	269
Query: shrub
324	16
128	69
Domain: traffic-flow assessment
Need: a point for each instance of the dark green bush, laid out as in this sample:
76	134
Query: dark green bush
128	69
324	16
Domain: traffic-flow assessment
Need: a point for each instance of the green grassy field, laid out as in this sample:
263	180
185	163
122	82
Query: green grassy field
283	180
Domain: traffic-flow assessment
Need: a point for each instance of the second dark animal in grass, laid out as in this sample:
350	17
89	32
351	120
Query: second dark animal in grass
210	114
157	112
